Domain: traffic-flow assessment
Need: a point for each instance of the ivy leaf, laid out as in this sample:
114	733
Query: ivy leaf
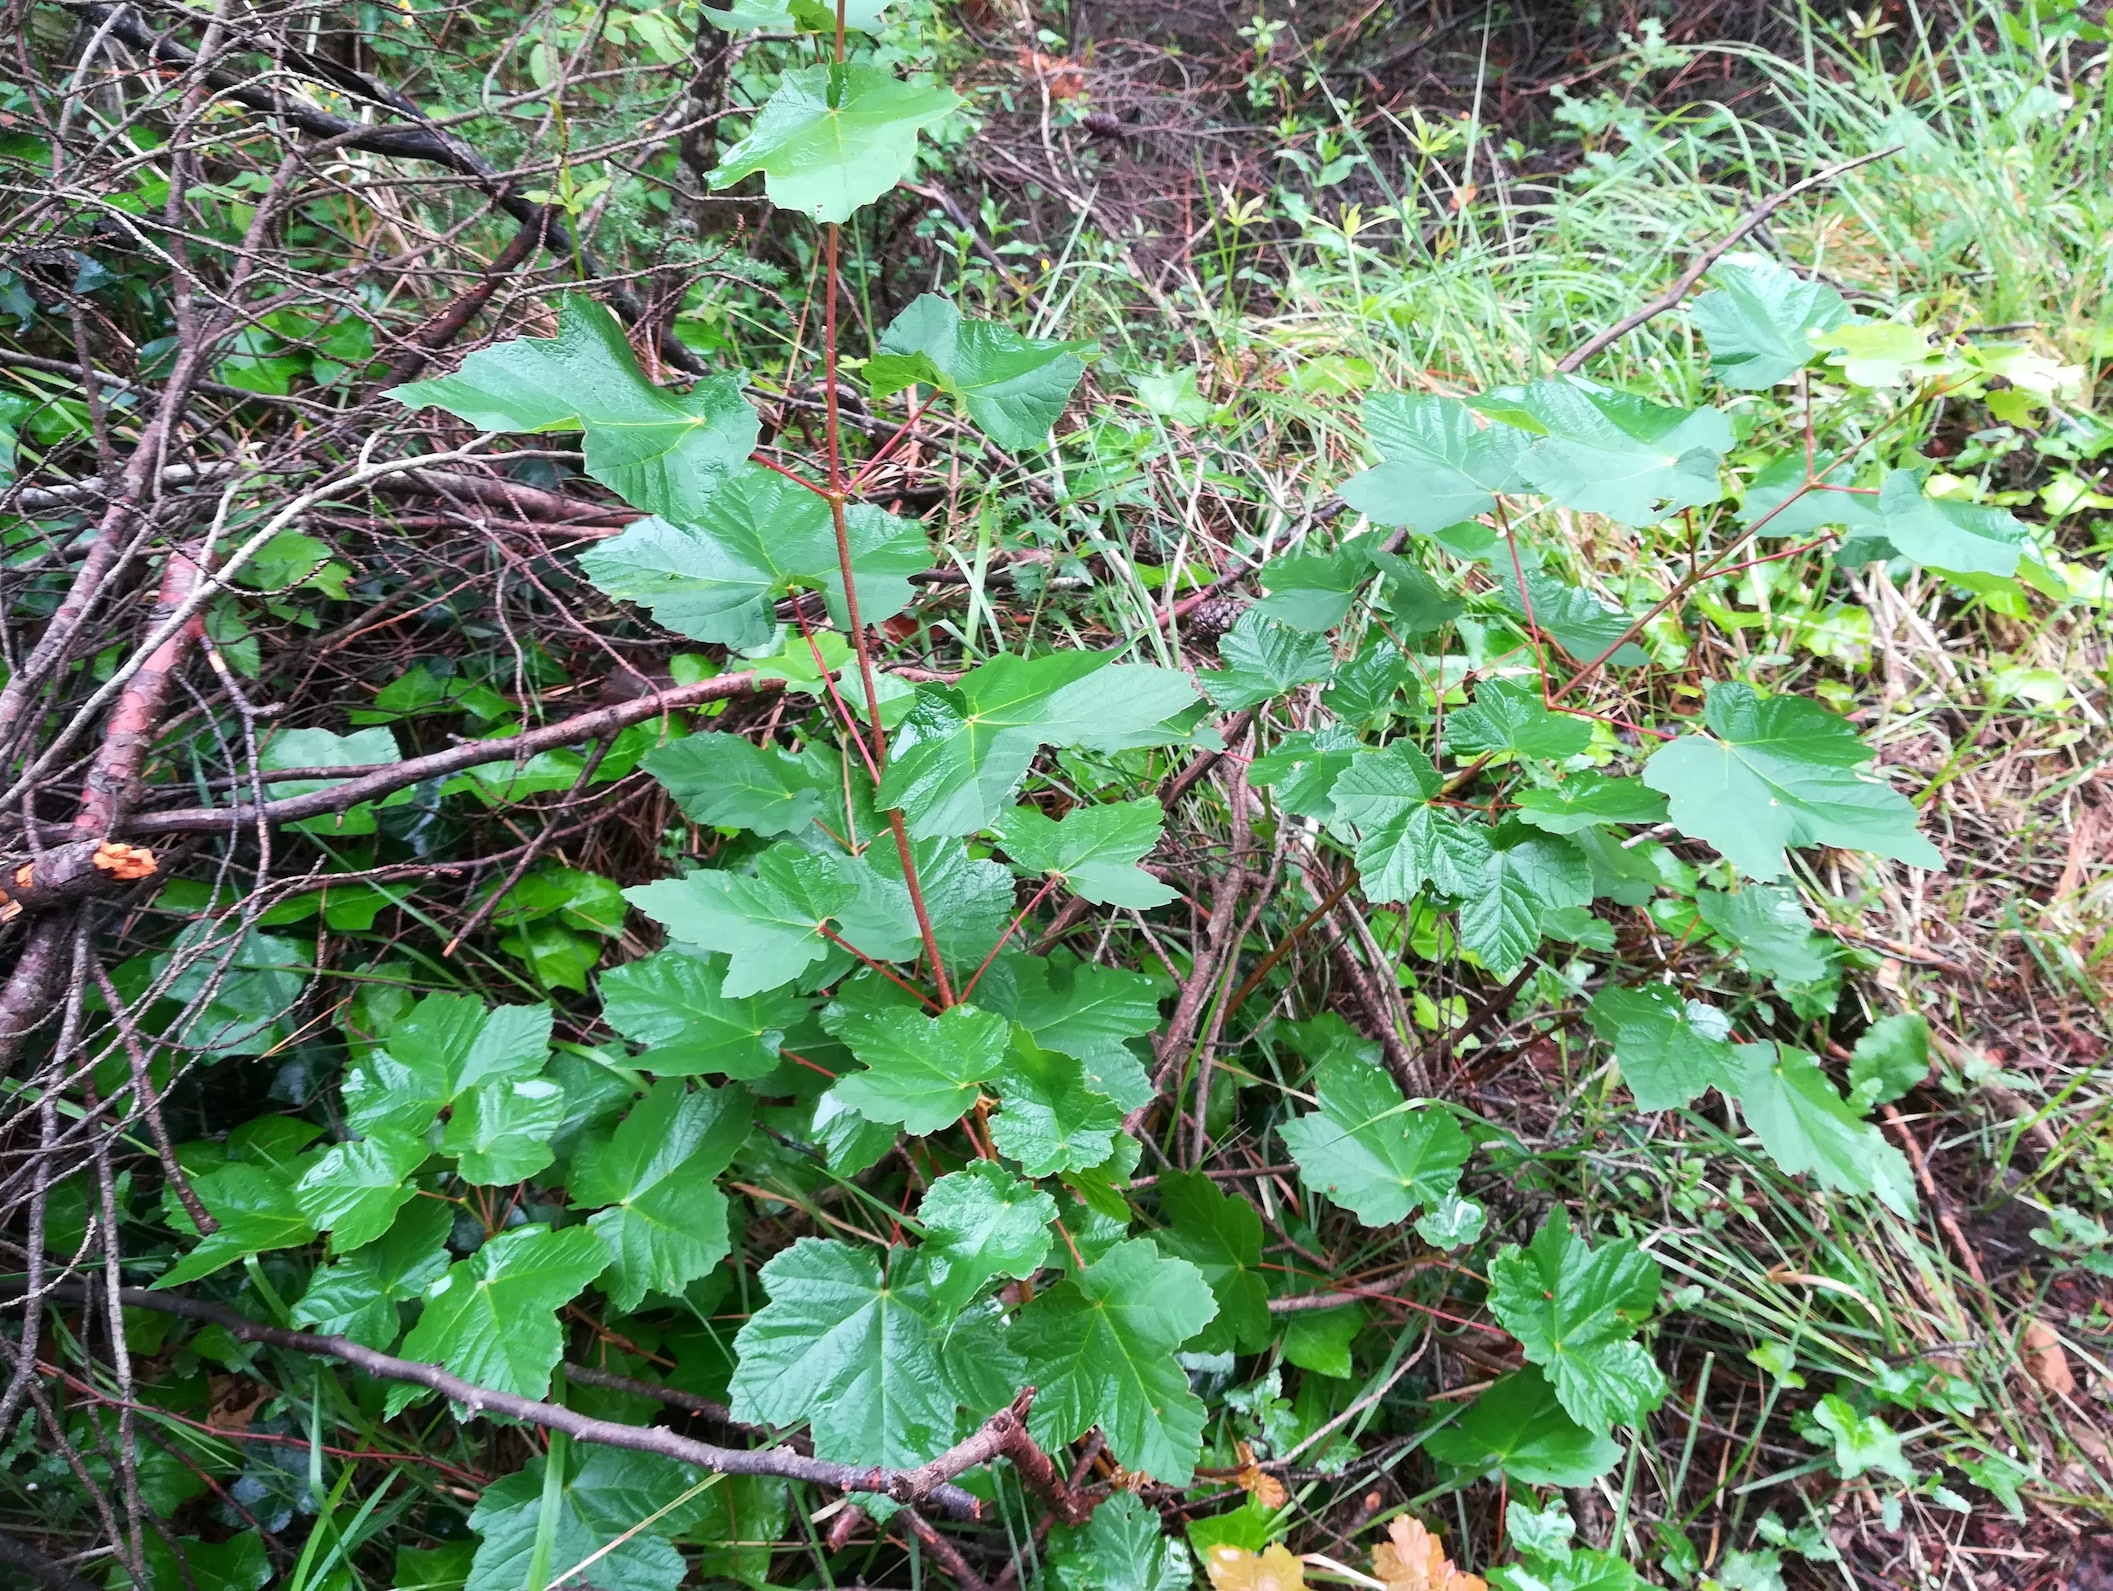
1013	387
1509	719
357	1294
921	1071
1121	1548
1303	769
1771	930
500	1133
1368	1150
677	1006
1520	1427
1263	659
749	16
1574	1309
1082	1010
1100	1346
1761	321
1051	1119
1959	538
257	1209
1403	842
834	138
1669	1050
980	1222
663	452
323	748
492	1318
1892	1057
1806	1126
769	923
658	1211
963	747
1500	917
1221	1235
241	1563
1573	618
848	1351
1093	849
1313	591
730	782
354	1191
1590	800
1439	464
1779	771
597	1505
1612	453
715	574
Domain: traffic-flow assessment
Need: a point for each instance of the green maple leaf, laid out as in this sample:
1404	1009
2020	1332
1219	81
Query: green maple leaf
980	1222
1572	617
650	1182
663	452
257	1209
593	1512
1669	1050
1805	1125
1861	1441
1612	453
1312	591
1121	1548
834	138
1439	464
357	1294
1093	849
716	574
1221	1235
1303	769
1370	1151
500	1133
1082	1010
730	782
1014	387
1383	798
354	1191
492	1319
1521	883
1364	687
1779	771
1892	1057
1051	1119
1770	927
852	1352
963	747
1762	321
677	1006
1263	659
1575	1309
921	1071
768	923
1520	1427
1099	1348
1510	719
1959	538
1779	500
1590	800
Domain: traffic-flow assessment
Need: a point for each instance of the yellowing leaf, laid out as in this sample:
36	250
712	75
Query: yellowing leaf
1413	1559
1238	1569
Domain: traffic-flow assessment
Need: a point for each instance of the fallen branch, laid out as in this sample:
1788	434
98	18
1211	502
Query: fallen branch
456	759
905	1486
